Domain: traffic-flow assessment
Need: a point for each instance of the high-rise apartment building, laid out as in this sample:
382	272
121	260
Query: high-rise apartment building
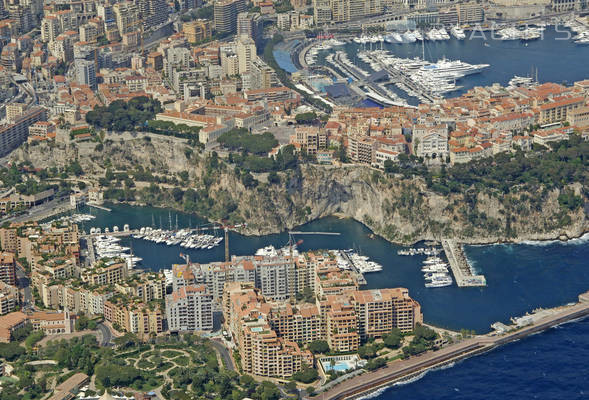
246	52
251	25
7	268
197	30
86	72
225	14
381	310
152	12
15	133
127	17
190	309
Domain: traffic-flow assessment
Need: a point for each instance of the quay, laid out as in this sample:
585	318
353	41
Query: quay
359	275
463	272
402	370
398	76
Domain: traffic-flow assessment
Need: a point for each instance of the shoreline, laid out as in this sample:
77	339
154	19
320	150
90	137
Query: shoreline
540	238
400	371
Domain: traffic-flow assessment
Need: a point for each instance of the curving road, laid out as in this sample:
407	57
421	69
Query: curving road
220	347
104	335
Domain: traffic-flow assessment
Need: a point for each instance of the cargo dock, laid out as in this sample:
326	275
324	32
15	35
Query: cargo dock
463	272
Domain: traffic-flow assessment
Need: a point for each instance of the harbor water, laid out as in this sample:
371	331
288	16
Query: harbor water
520	278
506	58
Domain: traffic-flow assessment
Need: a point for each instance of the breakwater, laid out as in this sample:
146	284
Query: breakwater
403	370
463	272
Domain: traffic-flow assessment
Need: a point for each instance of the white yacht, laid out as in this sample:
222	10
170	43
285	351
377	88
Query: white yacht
409	37
439	282
443	34
458	32
418	35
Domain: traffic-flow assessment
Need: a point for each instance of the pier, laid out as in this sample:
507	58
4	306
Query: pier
397	371
399	77
463	272
359	275
363	86
103	208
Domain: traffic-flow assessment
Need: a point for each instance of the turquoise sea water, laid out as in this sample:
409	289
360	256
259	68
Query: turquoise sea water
520	277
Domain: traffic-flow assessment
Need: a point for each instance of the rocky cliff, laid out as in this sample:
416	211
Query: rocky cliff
400	209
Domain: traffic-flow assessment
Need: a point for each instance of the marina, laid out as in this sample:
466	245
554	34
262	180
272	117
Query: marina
505	58
507	267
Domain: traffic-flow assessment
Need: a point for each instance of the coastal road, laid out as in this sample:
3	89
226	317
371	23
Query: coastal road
42	211
104	335
224	352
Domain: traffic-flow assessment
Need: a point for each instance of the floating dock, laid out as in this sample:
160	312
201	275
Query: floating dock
98	206
463	273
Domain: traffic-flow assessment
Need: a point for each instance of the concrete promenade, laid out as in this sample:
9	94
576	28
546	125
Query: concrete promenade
403	370
463	274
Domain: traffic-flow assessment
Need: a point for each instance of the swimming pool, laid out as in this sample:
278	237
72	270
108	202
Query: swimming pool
341	363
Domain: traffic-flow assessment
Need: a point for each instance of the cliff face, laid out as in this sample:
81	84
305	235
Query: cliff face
400	209
403	210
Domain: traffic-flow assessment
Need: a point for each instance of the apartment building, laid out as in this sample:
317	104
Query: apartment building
300	324
15	133
360	149
225	14
381	310
311	139
7	268
341	324
197	30
127	17
262	351
274	275
558	109
189	309
579	117
134	316
146	287
105	273
9	298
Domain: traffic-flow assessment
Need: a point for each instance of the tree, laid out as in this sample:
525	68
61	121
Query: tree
375	364
306	118
291	387
177	194
306	375
273	178
393	339
11	351
319	347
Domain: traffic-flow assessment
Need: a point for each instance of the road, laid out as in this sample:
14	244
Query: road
25	284
228	360
104	335
55	206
